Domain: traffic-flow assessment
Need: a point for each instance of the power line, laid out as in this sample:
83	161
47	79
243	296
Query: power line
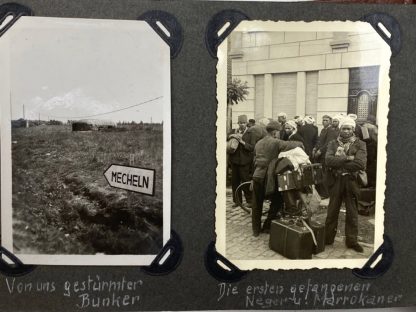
110	112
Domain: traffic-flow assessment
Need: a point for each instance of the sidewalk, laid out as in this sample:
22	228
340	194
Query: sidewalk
242	245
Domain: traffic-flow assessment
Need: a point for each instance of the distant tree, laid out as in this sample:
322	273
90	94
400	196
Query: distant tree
236	92
55	122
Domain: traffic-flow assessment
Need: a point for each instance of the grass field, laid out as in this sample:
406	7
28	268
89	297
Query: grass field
62	203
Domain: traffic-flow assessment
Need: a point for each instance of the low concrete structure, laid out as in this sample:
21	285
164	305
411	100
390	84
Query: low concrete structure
92	124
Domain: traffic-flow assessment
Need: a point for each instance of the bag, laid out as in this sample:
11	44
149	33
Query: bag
319	231
362	178
232	145
314	200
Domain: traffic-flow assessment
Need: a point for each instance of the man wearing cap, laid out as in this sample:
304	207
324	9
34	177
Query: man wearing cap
241	160
345	157
259	129
265	151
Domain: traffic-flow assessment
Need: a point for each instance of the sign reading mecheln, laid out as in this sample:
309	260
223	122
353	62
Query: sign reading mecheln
301	144
133	179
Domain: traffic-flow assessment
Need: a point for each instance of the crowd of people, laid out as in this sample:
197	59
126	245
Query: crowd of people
346	149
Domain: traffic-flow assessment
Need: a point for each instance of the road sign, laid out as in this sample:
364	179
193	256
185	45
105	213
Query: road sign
140	180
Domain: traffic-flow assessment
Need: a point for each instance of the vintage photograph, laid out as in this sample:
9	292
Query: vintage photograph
301	138
85	141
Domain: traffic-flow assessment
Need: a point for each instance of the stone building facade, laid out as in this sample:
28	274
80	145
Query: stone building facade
306	73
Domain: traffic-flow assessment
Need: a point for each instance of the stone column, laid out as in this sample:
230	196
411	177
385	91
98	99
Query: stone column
268	95
301	94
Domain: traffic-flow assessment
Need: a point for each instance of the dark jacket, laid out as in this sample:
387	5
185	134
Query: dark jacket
267	149
309	133
244	153
335	132
327	135
258	131
297	137
340	163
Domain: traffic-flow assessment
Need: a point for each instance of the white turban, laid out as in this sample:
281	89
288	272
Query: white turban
347	121
291	123
282	115
338	117
264	121
352	116
309	120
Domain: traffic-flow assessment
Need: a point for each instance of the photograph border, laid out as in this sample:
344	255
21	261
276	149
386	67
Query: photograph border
6	168
383	102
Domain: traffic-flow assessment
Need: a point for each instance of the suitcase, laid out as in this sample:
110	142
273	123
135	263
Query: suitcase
311	174
307	175
367	194
366	201
366	209
288	181
290	239
319	231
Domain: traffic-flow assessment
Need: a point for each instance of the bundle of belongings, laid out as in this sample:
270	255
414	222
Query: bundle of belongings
296	176
296	236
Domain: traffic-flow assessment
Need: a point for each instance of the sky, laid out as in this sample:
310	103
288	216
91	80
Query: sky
73	69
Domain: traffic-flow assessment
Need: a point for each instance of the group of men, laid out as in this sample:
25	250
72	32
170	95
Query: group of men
341	147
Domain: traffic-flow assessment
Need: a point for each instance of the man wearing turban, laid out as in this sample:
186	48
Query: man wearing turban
292	132
345	157
282	118
327	135
336	120
309	133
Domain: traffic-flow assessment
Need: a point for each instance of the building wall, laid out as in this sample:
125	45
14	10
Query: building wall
313	65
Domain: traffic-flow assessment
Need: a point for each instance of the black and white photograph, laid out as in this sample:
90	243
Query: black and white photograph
301	144
85	141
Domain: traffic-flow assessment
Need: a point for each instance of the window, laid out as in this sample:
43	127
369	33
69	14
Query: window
363	92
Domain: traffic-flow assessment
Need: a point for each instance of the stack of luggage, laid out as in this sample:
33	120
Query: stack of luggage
295	235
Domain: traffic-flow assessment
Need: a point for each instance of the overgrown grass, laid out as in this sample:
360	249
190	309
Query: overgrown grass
65	204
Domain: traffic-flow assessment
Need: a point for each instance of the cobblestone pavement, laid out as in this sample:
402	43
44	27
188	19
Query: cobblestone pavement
242	245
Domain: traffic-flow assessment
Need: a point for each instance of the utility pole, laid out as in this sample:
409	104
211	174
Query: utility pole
24	117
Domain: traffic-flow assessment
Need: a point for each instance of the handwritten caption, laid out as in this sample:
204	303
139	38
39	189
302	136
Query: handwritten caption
91	292
268	295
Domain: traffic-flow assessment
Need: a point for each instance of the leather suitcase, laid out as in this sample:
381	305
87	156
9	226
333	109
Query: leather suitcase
366	201
311	174
288	181
319	231
367	194
307	175
290	239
